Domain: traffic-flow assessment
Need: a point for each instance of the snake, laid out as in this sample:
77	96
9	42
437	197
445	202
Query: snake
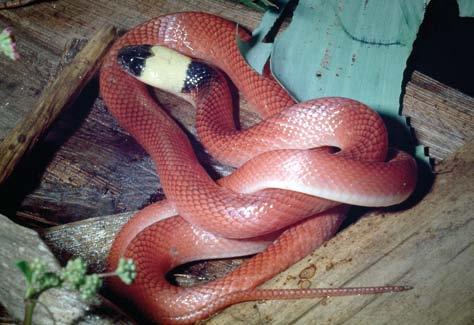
296	171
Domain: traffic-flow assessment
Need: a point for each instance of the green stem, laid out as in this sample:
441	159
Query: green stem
30	305
107	274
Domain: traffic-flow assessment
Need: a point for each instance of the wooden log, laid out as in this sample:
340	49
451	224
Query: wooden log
62	91
92	238
89	239
65	307
428	246
442	117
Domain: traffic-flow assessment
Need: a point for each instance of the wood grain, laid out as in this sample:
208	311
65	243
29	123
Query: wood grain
63	90
442	117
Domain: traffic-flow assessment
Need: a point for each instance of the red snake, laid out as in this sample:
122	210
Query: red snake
283	201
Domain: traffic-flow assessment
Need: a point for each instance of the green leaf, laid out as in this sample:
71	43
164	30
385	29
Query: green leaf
24	267
255	52
49	280
466	8
351	48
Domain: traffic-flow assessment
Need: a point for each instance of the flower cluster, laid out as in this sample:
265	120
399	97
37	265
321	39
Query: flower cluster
73	276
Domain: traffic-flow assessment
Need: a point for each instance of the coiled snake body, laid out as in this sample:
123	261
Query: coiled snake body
283	201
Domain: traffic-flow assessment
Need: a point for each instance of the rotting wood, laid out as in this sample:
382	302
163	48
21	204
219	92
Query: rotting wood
428	246
66	307
63	90
36	221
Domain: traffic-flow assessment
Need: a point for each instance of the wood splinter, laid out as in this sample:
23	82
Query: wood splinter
59	93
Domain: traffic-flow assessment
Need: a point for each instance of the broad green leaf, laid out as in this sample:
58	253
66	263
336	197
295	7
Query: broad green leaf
350	48
255	52
466	8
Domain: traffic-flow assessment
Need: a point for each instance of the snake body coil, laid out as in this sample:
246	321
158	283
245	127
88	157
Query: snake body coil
283	201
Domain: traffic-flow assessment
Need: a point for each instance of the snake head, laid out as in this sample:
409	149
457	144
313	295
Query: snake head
164	68
132	58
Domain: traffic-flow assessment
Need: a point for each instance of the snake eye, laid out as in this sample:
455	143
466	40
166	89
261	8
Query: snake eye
132	58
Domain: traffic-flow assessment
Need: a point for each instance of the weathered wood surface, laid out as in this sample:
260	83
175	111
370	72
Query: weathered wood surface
442	117
428	246
92	238
65	307
62	91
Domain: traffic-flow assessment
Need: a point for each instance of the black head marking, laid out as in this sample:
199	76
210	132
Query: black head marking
132	58
197	74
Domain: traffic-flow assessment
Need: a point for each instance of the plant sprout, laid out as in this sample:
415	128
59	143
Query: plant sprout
73	277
